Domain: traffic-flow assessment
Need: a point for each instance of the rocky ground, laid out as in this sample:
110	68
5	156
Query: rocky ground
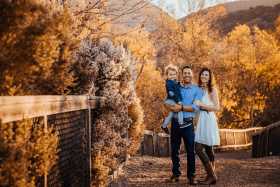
233	168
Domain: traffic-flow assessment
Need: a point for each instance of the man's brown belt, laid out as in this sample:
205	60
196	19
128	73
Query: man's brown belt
185	119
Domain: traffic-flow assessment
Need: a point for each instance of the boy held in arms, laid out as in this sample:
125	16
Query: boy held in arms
173	96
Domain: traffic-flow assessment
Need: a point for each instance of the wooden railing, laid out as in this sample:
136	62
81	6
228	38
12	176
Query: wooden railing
158	144
70	114
266	142
236	138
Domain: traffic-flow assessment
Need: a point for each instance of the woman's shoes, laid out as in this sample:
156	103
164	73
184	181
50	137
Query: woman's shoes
211	176
213	165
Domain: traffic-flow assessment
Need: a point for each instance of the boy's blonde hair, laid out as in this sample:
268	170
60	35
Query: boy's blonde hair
172	68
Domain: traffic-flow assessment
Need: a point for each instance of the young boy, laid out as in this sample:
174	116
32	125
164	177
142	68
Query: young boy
173	96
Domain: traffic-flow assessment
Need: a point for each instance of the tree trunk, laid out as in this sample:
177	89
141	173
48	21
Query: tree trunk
251	116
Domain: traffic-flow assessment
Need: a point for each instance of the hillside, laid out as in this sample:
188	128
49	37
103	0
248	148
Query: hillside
243	5
260	16
258	13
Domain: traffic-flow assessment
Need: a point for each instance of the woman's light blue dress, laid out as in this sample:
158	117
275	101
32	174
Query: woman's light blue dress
207	131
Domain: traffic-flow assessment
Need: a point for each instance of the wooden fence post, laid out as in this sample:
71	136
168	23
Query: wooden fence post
245	136
45	130
260	138
234	140
267	143
226	139
88	147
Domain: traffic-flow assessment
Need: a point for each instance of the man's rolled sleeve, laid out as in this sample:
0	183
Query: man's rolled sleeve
196	108
198	96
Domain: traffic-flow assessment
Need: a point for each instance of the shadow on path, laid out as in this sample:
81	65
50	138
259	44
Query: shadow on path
234	168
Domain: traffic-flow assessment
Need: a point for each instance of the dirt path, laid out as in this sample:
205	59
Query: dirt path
234	168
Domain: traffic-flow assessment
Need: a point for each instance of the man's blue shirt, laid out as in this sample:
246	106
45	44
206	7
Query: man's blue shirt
190	94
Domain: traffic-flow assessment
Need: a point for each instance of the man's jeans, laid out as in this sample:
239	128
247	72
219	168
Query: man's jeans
171	102
188	137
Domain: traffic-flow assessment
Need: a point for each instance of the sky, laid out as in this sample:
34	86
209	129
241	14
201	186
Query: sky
176	5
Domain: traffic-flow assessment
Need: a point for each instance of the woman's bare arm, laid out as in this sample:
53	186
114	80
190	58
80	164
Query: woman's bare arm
214	107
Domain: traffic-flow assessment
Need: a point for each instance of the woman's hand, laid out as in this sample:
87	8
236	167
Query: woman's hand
197	103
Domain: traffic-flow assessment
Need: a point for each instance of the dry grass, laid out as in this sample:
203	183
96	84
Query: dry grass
234	168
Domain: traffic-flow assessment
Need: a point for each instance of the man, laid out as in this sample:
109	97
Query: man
190	92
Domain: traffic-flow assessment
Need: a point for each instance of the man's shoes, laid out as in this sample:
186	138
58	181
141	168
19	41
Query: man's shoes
192	181
184	125
172	179
165	129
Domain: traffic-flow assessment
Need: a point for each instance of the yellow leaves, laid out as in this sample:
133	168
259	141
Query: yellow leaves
191	40
20	143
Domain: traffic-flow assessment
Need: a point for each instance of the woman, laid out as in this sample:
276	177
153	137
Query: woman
207	131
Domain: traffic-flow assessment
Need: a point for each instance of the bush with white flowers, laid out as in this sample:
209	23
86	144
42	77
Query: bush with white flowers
104	70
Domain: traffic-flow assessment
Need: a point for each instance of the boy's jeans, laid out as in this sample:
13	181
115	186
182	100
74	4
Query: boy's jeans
171	102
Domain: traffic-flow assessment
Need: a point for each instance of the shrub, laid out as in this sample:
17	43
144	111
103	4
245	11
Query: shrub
36	48
136	129
26	153
107	71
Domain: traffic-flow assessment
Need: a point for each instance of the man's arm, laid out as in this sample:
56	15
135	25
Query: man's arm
177	108
197	96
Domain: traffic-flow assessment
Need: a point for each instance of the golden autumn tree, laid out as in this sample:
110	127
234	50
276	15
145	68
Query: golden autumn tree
271	110
27	152
277	29
150	88
190	40
251	71
36	48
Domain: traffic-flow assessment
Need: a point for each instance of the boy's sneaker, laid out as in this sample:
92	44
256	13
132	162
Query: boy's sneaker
165	129
184	125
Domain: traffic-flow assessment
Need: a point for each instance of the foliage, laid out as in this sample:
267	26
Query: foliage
252	63
191	41
101	18
277	29
136	129
151	91
27	152
113	77
36	46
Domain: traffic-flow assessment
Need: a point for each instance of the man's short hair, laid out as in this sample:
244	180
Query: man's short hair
186	67
172	68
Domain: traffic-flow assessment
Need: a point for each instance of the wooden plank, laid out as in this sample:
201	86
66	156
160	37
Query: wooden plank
267	128
226	138
233	146
148	132
94	104
234	139
245	137
46	130
9	100
163	134
23	110
88	147
240	130
266	151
